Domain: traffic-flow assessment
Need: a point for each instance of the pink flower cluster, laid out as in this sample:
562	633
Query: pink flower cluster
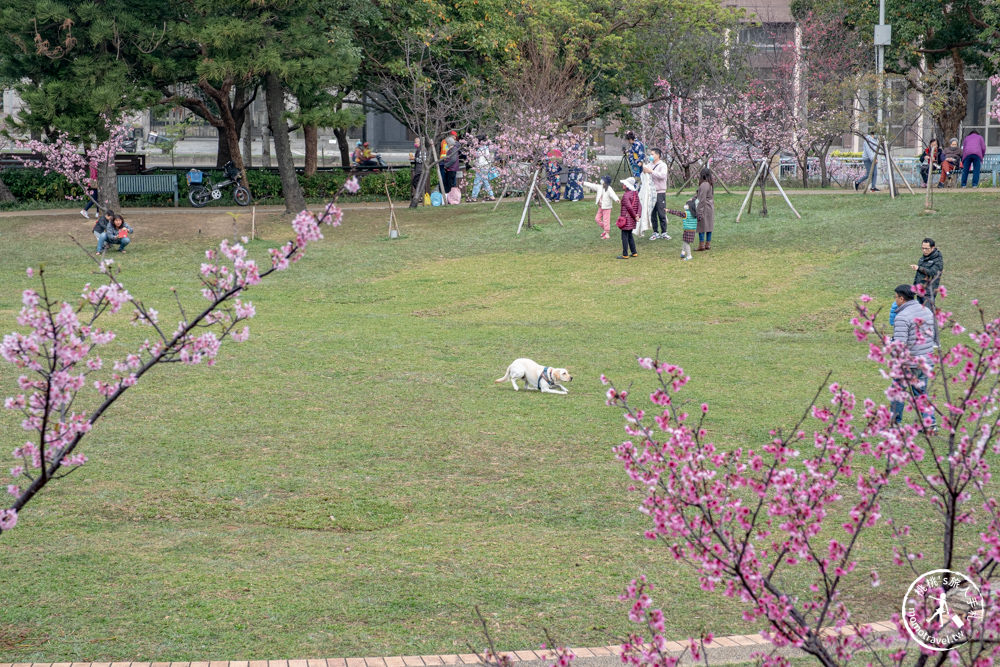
73	161
58	354
742	517
523	145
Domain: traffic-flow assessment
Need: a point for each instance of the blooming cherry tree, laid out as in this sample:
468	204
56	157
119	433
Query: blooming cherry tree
745	518
62	362
522	144
689	129
74	162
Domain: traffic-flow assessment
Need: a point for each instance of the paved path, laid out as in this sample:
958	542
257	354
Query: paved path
722	650
402	205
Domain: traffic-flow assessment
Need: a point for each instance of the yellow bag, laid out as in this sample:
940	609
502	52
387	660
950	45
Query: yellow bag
427	199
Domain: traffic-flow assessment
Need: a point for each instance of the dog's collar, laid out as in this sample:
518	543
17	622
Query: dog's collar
541	376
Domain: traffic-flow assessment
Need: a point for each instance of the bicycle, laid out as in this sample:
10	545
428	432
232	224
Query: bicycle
200	193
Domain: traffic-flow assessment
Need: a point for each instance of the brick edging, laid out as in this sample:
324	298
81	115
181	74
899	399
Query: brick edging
756	639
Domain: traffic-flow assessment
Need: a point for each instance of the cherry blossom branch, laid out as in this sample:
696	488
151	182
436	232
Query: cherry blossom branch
58	352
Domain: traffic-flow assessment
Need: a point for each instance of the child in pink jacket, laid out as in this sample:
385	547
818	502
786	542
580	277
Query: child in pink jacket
605	199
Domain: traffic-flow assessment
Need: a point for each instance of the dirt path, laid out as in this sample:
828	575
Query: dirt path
164	223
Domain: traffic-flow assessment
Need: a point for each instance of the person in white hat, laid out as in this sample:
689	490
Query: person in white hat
630	212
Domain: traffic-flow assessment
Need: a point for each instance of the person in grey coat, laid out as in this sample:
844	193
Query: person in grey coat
869	151
914	327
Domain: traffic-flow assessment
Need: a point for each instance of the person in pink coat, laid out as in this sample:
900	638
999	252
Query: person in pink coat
973	152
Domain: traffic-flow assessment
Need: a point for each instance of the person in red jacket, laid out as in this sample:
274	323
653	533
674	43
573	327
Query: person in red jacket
631	209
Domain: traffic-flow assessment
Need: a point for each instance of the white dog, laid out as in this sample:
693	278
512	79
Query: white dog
536	376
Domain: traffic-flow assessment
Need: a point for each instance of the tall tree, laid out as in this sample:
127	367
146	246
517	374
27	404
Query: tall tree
428	64
208	65
622	48
302	51
934	45
67	59
429	96
326	66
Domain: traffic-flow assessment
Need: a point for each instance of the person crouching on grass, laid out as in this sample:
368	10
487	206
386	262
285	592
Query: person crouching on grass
631	210
119	232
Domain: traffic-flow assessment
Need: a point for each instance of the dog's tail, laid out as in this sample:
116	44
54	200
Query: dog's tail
506	376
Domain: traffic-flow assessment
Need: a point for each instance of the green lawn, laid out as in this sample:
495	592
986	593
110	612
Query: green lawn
351	481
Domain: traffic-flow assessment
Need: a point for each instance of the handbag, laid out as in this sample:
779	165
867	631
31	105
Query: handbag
621	222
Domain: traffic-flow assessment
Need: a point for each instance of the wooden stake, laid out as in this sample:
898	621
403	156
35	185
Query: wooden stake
753	184
782	191
888	166
538	189
899	171
393	222
503	194
527	202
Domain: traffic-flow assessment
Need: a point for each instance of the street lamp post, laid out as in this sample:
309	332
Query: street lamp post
882	38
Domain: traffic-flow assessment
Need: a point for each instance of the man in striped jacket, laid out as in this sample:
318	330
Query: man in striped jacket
914	327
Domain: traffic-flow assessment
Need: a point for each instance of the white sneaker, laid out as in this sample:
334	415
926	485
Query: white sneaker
665	236
682	254
85	214
688	257
654	236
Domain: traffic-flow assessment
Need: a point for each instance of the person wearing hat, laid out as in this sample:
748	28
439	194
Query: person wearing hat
952	160
369	159
450	161
914	327
630	212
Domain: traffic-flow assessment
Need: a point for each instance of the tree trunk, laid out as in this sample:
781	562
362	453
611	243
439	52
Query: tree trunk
223	152
824	174
248	140
265	147
5	193
107	186
295	201
311	136
227	122
345	154
430	163
952	113
760	182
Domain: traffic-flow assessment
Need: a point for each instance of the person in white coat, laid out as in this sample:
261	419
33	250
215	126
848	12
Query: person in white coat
605	199
647	197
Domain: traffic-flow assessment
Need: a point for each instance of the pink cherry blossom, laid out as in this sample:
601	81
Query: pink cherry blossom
61	351
760	522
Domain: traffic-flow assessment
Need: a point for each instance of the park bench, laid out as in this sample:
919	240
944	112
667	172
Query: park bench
149	184
991	165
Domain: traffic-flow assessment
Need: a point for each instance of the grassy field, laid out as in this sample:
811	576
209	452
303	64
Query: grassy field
351	481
